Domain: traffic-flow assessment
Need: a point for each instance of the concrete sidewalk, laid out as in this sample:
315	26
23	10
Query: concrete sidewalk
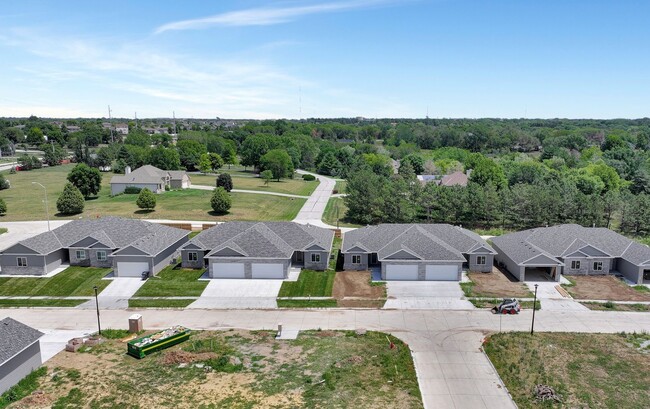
116	295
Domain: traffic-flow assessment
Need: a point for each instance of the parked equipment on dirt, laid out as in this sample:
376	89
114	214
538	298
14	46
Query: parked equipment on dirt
507	306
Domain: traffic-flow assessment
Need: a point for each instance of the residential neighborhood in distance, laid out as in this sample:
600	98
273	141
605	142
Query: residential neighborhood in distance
325	204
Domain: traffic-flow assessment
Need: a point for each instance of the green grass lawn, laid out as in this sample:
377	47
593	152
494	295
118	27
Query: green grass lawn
340	186
3	230
336	247
586	370
38	302
72	282
291	186
329	216
610	306
310	283
25	201
307	303
173	282
160	303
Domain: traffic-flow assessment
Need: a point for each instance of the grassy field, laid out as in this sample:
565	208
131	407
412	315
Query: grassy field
3	230
72	282
310	283
250	369
160	303
586	370
173	281
38	302
329	216
340	186
290	186
25	201
307	303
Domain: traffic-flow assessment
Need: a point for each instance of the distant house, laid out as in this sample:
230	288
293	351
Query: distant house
150	177
73	128
571	249
129	246
20	352
453	179
122	129
258	249
432	252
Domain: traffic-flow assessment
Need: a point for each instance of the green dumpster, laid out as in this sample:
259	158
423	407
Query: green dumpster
144	346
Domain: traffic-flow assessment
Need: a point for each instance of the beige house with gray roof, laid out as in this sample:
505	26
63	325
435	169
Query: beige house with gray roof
150	177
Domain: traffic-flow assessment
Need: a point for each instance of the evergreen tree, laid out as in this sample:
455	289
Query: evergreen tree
146	199
71	200
221	201
224	180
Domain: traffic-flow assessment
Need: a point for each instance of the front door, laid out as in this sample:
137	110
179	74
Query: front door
299	257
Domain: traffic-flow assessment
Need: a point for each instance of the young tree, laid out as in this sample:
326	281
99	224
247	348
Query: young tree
278	162
267	175
224	180
216	161
221	201
4	183
3	207
71	200
230	155
205	165
53	154
146	199
88	180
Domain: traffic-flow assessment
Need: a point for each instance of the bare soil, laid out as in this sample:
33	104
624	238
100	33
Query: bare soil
352	289
498	283
605	287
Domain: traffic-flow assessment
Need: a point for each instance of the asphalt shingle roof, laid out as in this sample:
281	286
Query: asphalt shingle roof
426	241
562	240
263	239
148	174
14	337
111	231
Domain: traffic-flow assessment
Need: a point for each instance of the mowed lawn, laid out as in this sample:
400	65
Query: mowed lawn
72	282
310	284
174	281
290	186
586	370
25	201
331	212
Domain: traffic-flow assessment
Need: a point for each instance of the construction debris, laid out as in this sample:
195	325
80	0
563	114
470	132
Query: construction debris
546	393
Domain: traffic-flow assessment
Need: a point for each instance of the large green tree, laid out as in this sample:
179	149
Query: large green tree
190	152
164	158
278	162
88	180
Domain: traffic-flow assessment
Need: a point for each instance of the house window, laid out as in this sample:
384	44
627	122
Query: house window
575	265
480	260
598	266
81	254
22	261
193	256
315	258
356	259
101	255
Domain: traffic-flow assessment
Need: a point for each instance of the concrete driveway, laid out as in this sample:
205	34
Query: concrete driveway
551	299
239	294
426	295
116	295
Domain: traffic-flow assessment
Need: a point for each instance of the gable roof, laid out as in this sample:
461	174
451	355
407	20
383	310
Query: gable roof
567	240
114	232
148	174
425	241
454	179
262	239
14	337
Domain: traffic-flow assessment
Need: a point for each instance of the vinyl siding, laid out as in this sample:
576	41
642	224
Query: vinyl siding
21	365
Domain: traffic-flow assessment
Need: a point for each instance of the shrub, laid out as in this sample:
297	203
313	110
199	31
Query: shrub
220	201
308	177
71	200
609	305
224	180
146	199
132	190
4	183
3	207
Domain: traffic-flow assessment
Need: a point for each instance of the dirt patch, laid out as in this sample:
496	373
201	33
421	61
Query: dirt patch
603	288
355	284
498	284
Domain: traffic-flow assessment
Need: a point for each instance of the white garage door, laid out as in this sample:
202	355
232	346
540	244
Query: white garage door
131	268
401	272
441	273
267	270
228	270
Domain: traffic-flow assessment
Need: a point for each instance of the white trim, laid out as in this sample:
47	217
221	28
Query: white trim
18	262
23	350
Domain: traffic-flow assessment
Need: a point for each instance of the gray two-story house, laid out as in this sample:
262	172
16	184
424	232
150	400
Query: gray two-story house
129	246
258	249
432	252
570	249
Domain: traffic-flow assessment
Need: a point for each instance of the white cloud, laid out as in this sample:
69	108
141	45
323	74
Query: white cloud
264	16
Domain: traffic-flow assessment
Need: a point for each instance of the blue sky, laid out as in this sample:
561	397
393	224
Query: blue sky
340	58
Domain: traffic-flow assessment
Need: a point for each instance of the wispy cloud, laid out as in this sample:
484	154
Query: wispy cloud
264	16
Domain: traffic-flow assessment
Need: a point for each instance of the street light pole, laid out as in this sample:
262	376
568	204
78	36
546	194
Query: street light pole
532	326
99	326
47	211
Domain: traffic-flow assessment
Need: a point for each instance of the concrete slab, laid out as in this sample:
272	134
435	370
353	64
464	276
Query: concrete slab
116	295
240	294
425	295
54	341
288	334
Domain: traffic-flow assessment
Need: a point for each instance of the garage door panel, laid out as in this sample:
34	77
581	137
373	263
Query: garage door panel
131	268
407	272
443	272
268	270
228	270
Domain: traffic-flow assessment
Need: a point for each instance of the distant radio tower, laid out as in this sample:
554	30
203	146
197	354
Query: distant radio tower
136	120
174	115
110	124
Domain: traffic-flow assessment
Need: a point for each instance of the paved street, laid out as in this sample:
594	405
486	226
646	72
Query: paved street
452	371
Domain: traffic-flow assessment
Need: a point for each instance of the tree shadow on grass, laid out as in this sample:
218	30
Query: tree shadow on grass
215	214
144	211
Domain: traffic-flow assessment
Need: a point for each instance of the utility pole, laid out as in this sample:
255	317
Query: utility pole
110	123
174	116
136	120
